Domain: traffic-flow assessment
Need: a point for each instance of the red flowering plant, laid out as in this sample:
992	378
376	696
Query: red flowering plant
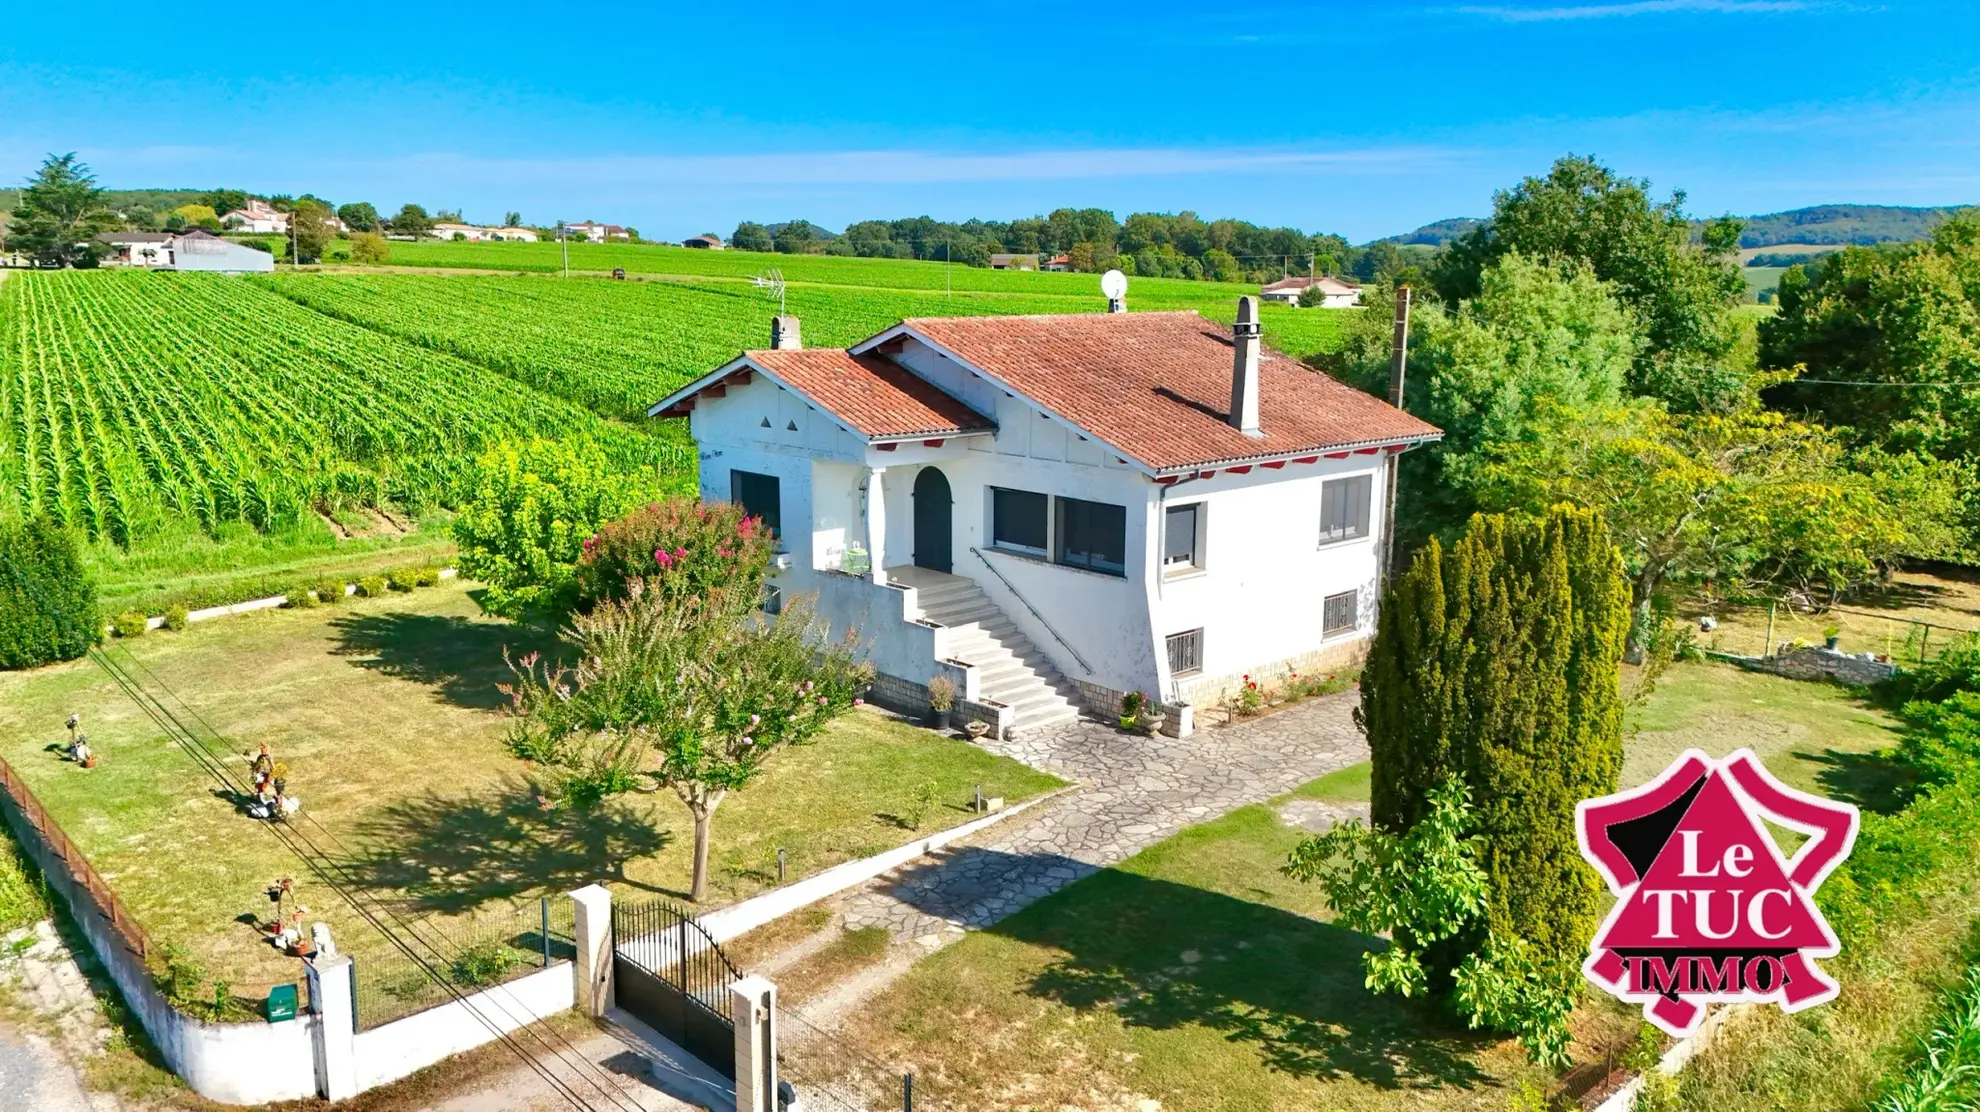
680	548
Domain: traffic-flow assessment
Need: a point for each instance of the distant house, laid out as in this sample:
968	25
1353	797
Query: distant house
153	249
710	242
473	233
1057	262
1014	262
513	235
256	216
1335	293
596	232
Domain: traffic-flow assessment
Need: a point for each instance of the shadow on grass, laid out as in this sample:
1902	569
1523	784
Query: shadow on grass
453	853
1162	955
461	659
1872	781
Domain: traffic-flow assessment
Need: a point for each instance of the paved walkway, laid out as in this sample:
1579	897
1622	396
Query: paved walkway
1135	791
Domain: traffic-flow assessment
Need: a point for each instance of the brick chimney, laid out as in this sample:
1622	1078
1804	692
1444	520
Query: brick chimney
784	334
1244	368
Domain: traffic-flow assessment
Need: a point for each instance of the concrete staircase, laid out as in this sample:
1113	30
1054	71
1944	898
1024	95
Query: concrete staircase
1012	670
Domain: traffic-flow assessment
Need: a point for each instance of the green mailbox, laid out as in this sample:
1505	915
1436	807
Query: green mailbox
281	1003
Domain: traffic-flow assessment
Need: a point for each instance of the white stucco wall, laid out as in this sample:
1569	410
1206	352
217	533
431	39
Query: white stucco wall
385	1054
1265	573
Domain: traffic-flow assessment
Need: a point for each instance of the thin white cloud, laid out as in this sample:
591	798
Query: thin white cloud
920	167
1510	14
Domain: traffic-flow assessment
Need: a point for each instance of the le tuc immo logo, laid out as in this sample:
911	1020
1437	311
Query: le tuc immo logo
1708	908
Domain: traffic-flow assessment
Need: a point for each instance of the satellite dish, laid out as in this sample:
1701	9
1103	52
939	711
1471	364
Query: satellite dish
1114	284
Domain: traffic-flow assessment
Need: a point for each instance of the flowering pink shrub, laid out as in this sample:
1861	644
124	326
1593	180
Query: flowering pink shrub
677	547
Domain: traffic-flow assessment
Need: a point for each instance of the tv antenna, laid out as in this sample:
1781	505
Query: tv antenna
771	282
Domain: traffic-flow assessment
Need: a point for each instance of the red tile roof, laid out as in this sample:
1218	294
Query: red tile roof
1326	282
876	396
1156	386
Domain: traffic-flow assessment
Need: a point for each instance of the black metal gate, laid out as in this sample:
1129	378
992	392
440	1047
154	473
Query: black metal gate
669	973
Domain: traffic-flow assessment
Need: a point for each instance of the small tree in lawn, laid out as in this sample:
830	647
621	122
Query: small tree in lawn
710	686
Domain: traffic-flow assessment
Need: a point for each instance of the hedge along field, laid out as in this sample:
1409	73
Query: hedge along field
836	270
131	403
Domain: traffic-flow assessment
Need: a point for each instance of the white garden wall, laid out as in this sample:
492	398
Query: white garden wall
402	1047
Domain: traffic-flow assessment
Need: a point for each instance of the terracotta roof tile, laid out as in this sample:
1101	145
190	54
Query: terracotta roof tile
874	395
1156	386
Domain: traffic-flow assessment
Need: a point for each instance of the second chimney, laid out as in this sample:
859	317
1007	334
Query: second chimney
1244	368
784	334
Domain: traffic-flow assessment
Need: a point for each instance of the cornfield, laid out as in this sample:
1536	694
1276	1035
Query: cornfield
127	398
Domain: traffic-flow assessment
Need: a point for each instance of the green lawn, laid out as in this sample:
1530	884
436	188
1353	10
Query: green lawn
1195	974
387	715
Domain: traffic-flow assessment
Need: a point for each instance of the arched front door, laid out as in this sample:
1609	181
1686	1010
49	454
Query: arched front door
934	530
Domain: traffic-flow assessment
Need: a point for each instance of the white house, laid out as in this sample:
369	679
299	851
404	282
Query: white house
596	232
1335	293
1053	511
152	249
256	217
200	251
513	235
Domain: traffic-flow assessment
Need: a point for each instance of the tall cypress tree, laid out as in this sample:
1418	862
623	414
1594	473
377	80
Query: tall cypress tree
1497	660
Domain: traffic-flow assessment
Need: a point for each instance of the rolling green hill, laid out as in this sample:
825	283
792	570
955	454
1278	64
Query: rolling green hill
1843	224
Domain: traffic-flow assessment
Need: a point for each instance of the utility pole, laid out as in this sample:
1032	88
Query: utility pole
564	241
1398	363
948	268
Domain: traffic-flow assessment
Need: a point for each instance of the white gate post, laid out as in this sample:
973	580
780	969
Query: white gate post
753	1004
593	934
331	992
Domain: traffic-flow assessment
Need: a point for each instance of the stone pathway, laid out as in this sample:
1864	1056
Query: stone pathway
1135	791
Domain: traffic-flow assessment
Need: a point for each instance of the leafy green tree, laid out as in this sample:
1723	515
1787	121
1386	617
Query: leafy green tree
359	216
1496	661
310	231
224	201
370	247
1907	315
1745	499
47	596
532	507
512	220
197	216
797	237
706	684
411	220
1684	292
60	214
750	237
1417	888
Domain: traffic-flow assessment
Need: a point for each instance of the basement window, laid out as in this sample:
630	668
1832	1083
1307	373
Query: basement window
1338	613
1185	653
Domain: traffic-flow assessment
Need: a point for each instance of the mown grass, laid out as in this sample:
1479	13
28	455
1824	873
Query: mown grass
387	714
1198	975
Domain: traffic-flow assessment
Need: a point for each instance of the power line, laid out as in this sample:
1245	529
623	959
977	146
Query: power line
322	865
1905	385
348	890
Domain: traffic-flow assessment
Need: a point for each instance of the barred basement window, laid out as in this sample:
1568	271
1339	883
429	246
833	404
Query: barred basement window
1338	613
1186	653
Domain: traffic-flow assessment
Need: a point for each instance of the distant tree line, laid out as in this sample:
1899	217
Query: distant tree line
1167	245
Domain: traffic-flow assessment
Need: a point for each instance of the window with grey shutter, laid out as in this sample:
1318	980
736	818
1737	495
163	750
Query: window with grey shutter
1344	505
1179	536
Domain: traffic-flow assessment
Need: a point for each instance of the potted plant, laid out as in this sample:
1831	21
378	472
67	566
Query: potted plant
977	729
941	700
1831	636
1152	716
1131	705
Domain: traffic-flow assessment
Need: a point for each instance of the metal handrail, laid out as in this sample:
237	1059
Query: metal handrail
1034	610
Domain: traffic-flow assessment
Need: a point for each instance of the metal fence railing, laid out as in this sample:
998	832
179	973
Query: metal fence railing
1765	628
493	947
82	876
831	1074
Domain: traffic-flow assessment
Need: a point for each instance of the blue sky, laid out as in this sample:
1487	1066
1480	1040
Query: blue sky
1359	118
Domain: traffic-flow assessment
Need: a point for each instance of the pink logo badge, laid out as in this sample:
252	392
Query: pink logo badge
1707	907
